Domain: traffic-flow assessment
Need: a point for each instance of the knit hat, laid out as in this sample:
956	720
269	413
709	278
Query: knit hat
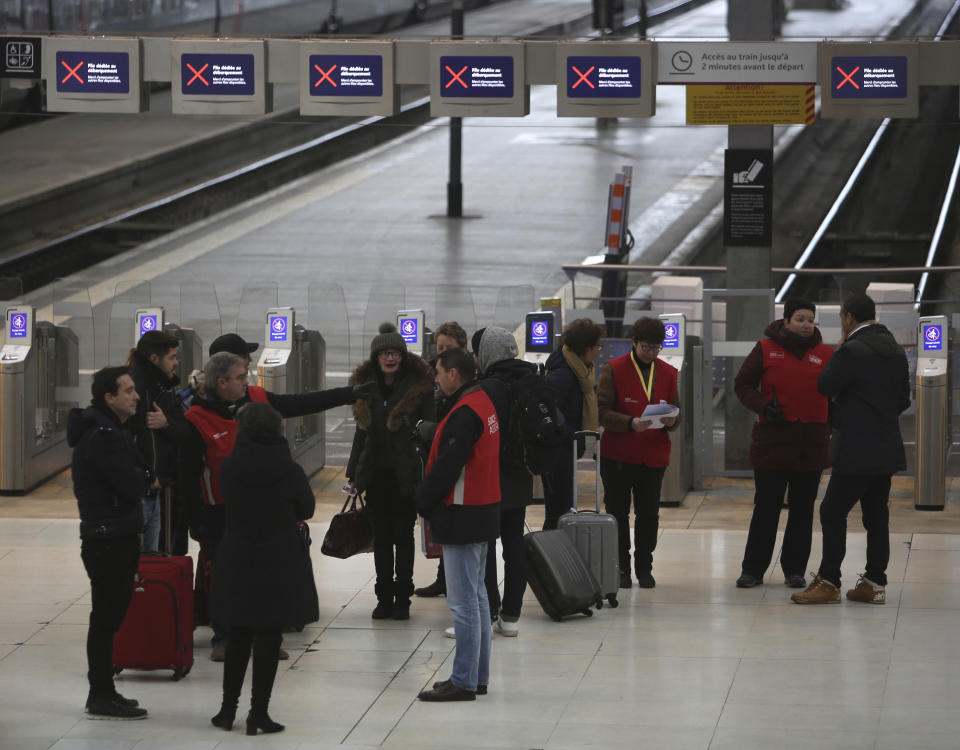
496	345
388	338
475	341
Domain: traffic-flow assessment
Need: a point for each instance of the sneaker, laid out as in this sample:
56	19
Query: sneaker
218	653
625	581
646	580
820	591
112	709
450	632
447	691
481	689
747	581
868	592
437	588
509	629
795	581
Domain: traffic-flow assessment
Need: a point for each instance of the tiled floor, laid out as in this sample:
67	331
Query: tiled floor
693	663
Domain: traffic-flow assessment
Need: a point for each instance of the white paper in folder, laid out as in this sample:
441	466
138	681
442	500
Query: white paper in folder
657	412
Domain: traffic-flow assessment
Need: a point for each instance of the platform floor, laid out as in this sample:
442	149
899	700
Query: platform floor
693	663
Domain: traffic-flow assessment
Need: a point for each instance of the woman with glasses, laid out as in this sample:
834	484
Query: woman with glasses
384	463
571	375
633	452
789	448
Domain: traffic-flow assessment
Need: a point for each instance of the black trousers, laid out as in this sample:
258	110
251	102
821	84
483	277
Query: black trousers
843	492
265	644
514	566
215	520
558	488
621	481
111	565
770	486
393	519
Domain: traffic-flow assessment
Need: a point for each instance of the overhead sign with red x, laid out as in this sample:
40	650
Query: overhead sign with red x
475	77
868	77
869	80
93	72
612	79
604	77
217	74
345	75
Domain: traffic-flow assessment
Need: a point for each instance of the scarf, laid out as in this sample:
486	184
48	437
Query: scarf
584	373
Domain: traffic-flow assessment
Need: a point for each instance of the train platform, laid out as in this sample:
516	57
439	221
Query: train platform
694	663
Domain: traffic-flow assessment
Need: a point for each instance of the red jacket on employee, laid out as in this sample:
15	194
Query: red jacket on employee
787	365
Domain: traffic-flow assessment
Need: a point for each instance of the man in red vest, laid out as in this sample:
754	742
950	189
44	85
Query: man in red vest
213	417
633	452
460	496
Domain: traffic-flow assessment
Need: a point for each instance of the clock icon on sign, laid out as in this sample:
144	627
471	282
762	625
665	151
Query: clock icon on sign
681	61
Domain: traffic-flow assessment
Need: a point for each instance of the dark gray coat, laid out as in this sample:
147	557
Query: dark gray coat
263	576
868	379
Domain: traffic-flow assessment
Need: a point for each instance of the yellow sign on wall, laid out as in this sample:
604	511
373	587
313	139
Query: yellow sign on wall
750	104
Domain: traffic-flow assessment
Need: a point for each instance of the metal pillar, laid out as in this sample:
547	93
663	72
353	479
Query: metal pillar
455	183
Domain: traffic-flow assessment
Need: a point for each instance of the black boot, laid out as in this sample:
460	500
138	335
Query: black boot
401	600
262	723
228	712
264	673
384	608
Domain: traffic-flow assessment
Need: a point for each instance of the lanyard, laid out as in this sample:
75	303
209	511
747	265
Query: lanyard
648	384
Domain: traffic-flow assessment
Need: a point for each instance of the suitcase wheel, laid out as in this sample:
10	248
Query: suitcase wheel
599	603
588	612
180	672
117	670
612	600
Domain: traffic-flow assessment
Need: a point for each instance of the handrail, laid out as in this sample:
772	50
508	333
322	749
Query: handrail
599	268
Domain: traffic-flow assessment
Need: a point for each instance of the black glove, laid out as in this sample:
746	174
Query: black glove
426	430
773	412
365	390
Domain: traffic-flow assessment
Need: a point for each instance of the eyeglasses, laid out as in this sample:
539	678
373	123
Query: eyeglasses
390	354
650	349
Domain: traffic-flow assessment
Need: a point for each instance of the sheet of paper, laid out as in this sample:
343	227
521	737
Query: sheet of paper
656	413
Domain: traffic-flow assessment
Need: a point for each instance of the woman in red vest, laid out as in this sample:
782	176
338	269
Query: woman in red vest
633	452
789	449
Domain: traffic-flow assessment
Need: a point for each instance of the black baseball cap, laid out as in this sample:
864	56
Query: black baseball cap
233	343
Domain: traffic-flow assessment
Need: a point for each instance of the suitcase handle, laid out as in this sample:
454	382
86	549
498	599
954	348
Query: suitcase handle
576	438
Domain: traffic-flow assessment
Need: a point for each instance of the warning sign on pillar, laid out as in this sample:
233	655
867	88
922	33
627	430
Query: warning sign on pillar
748	198
751	104
219	77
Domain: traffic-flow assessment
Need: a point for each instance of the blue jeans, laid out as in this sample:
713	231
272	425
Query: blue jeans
464	566
152	507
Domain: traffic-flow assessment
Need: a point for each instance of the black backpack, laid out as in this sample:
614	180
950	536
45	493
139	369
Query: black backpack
534	429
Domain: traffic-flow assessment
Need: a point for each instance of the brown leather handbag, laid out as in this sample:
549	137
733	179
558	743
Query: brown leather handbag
350	531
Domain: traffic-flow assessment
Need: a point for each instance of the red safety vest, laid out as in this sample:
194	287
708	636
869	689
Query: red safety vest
219	434
649	447
795	381
479	483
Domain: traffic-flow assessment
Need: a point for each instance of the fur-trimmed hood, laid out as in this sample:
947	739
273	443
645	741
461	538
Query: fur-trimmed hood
413	387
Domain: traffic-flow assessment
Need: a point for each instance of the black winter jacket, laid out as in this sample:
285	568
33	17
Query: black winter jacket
456	524
264	574
158	448
566	385
385	421
516	483
868	378
109	478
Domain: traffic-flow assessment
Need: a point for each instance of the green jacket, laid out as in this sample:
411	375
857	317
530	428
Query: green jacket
384	425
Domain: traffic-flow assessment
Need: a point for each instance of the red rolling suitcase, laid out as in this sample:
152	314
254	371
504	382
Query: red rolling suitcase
157	632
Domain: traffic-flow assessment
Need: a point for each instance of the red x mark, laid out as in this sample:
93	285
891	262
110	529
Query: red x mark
72	71
583	77
456	76
848	77
196	74
325	75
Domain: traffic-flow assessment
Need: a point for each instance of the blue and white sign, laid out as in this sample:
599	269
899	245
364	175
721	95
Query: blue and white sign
409	330
475	77
539	333
18	326
671	337
148	323
278	327
868	77
932	338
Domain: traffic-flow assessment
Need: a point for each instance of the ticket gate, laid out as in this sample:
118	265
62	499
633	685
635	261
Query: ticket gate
293	360
39	365
932	412
190	353
678	478
419	339
541	335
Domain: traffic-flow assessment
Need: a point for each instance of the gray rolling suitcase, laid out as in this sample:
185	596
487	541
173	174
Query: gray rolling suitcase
593	533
